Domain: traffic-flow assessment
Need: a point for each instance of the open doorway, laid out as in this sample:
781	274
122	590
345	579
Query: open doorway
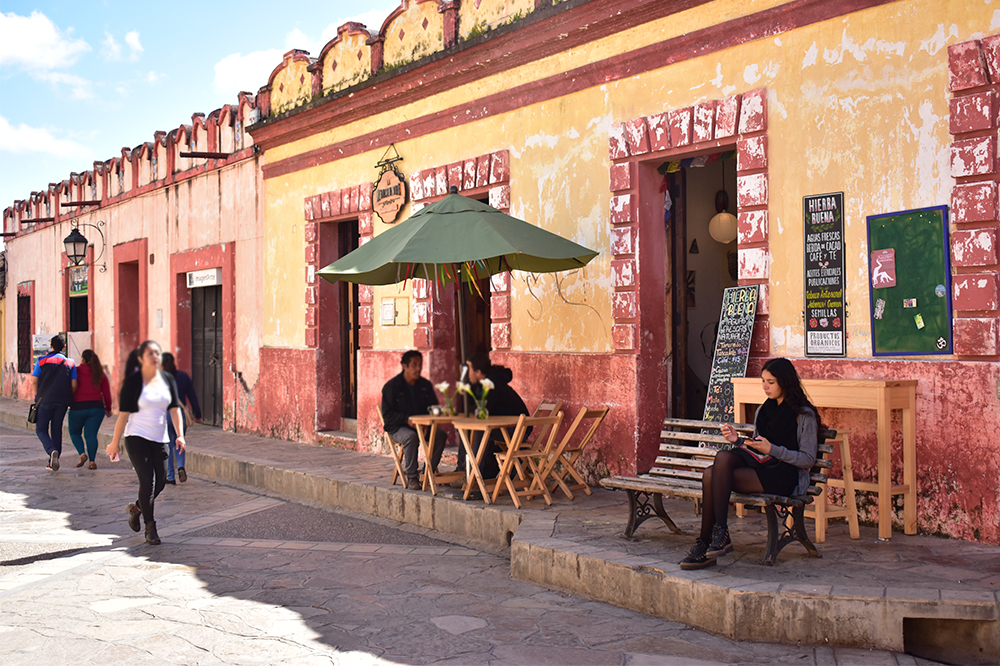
700	267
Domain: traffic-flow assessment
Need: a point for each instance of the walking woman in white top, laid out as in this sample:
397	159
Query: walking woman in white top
148	398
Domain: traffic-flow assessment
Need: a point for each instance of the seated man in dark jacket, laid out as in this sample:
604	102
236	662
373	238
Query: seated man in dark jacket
405	395
502	400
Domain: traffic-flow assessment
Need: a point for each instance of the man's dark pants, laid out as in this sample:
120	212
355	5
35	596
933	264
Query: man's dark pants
408	438
49	426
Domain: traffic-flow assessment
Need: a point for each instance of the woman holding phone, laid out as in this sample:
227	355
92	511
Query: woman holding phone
148	398
776	460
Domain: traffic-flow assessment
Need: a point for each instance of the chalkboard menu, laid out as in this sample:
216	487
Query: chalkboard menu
824	265
732	348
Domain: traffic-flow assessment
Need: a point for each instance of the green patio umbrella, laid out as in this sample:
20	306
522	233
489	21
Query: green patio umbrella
457	239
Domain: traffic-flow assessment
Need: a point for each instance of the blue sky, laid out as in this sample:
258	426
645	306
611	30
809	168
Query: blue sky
81	80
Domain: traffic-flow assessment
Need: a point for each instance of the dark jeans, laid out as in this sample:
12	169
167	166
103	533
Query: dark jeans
150	462
172	448
83	425
49	426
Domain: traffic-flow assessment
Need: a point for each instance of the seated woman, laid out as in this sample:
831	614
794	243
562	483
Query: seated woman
776	460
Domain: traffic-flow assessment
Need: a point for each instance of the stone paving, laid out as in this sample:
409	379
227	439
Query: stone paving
223	600
925	572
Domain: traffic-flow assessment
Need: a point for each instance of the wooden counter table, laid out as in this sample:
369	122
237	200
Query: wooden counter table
882	396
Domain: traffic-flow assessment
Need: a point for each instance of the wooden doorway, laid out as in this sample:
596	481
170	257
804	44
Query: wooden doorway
206	351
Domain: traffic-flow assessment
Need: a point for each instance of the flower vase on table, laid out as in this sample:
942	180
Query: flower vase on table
486	386
449	408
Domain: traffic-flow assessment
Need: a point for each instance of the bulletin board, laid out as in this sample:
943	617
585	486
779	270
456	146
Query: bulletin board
909	279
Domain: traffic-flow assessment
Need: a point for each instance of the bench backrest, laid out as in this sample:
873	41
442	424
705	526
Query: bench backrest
688	447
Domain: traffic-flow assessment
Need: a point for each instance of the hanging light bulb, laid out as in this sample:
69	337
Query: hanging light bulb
722	227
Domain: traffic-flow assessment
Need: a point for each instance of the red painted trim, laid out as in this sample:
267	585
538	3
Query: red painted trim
216	256
375	99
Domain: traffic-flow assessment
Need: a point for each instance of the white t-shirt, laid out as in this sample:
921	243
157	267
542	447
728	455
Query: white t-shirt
150	422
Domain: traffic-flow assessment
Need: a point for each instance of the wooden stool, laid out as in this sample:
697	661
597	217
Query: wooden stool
821	510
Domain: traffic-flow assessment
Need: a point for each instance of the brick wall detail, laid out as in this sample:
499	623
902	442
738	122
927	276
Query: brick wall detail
974	83
741	119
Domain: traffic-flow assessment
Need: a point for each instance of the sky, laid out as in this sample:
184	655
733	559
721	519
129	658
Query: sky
81	80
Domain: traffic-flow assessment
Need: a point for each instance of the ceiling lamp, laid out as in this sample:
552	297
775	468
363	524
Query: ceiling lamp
722	227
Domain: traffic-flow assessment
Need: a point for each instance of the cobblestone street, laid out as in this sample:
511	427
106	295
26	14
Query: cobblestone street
244	578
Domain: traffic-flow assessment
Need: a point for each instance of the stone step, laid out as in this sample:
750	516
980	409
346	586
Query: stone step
338	439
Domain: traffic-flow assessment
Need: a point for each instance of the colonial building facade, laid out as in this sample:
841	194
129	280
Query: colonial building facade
614	124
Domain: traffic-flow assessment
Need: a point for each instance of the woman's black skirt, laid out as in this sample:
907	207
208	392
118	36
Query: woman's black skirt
776	477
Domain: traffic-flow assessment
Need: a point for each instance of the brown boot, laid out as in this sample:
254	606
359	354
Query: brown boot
152	538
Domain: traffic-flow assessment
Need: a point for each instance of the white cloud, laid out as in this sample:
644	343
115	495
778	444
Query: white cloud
80	88
237	72
134	45
23	140
153	76
112	50
36	43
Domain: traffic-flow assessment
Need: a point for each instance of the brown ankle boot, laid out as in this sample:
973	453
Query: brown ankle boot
152	538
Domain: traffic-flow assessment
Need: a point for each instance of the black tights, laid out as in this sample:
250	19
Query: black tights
150	462
730	472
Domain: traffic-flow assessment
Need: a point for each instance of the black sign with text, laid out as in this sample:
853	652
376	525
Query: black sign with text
732	349
823	217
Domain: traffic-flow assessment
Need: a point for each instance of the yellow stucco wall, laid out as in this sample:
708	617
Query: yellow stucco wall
291	86
416	40
342	66
489	15
857	104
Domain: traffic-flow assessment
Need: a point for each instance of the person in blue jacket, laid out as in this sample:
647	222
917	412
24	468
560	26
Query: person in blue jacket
186	394
55	384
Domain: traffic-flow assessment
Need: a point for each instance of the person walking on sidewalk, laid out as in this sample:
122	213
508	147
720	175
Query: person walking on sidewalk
776	460
148	398
91	403
55	382
186	394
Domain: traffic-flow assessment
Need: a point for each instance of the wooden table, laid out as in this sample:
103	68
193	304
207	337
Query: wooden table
883	396
427	427
466	426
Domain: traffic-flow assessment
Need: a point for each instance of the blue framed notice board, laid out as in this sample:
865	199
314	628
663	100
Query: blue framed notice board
909	279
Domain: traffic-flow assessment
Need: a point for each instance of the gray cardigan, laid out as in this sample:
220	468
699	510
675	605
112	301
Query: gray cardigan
805	457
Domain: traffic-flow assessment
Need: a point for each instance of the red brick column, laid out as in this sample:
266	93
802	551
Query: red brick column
974	81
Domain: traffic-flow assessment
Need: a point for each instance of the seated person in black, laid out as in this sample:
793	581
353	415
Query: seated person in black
405	395
502	400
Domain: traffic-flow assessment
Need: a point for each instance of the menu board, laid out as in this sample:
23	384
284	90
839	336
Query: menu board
732	349
823	217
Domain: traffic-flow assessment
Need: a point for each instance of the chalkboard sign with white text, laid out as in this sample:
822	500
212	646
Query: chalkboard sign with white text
732	349
825	279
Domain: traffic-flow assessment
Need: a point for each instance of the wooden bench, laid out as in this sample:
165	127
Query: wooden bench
687	448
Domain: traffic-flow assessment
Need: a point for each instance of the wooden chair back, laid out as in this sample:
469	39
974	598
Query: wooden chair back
518	451
545	408
562	461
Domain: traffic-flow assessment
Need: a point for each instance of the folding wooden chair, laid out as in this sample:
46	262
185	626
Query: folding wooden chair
545	408
394	447
518	451
562	460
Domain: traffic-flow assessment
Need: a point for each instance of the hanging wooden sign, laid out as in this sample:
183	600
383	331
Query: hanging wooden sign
389	195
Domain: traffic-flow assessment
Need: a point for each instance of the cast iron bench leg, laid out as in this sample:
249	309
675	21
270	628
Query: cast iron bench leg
779	534
639	511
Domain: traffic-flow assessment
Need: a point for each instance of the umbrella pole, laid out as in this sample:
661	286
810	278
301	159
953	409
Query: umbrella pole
459	294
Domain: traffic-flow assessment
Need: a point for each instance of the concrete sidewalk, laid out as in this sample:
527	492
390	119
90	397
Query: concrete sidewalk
932	597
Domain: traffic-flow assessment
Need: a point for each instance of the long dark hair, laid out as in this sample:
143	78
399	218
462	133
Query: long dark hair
791	387
168	363
132	364
89	356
